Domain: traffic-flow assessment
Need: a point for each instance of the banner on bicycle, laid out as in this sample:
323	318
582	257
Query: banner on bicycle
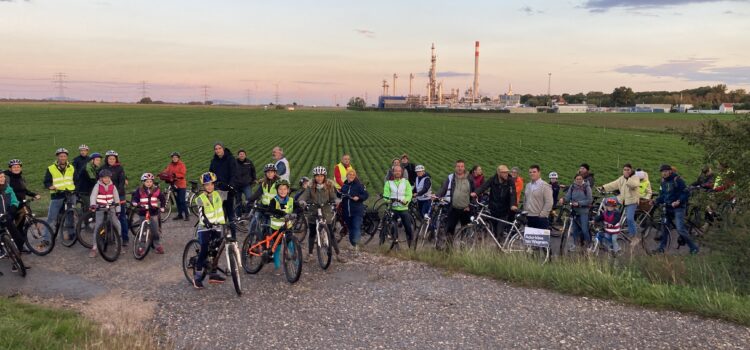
535	237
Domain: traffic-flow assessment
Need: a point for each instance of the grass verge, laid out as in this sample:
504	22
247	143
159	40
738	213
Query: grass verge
29	326
602	278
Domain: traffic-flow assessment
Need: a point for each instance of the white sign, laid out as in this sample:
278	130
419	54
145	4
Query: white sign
535	237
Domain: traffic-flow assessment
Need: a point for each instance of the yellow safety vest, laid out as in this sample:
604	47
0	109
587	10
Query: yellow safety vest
212	209
342	170
268	193
277	222
62	182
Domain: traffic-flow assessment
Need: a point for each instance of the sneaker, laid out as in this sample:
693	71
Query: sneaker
159	250
66	236
307	257
178	217
694	251
14	268
124	244
571	248
658	251
187	218
92	253
340	259
215	278
635	240
356	251
197	283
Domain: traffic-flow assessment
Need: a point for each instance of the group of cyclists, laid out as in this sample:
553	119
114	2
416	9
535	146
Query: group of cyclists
99	183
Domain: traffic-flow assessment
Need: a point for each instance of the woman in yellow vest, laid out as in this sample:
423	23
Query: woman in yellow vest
58	179
265	192
280	206
212	213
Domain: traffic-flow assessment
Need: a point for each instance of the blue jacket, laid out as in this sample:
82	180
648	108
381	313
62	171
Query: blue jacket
673	189
353	189
225	169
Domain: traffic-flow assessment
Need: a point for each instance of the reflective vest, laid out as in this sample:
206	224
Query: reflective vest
419	184
643	189
288	171
612	229
287	207
398	191
269	191
448	193
106	194
62	182
342	171
147	200
212	209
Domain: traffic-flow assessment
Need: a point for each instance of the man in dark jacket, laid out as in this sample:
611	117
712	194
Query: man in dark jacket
79	164
502	200
674	195
588	176
409	168
225	167
458	187
245	175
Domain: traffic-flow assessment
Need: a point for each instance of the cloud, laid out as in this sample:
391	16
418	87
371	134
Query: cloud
528	10
448	74
599	6
693	69
365	32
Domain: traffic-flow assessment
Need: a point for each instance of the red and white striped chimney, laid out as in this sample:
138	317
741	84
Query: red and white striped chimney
475	89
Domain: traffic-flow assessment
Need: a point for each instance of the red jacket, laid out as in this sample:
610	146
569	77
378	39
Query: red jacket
178	172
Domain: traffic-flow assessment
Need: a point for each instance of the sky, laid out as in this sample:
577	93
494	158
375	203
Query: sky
324	52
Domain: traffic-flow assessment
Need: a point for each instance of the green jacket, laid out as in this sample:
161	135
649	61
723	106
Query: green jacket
398	189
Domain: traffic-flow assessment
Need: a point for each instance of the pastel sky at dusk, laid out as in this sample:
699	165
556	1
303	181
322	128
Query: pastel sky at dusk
319	52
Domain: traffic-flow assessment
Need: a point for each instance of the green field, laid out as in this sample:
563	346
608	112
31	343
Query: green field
145	135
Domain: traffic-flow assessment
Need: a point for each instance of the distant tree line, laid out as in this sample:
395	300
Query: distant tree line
705	97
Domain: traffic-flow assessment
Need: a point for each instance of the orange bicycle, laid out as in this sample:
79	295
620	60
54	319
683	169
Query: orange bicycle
256	253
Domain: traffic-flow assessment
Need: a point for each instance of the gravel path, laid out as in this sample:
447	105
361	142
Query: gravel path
369	302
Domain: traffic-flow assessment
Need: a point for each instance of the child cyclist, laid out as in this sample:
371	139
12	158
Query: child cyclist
211	213
610	219
104	194
149	198
280	206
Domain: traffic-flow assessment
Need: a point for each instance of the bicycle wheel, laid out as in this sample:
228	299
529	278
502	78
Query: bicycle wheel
134	221
251	263
300	227
34	231
234	268
291	258
169	203
383	232
324	249
142	244
109	243
68	227
651	237
515	242
190	258
193	200
371	221
85	229
465	238
421	237
13	254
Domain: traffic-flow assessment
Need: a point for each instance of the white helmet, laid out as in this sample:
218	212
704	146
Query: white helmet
419	168
553	175
319	170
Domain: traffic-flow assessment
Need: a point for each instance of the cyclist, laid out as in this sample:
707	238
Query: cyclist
58	178
212	213
409	172
321	193
518	182
673	193
555	187
112	163
9	205
304	183
281	205
628	185
644	190
245	176
281	163
537	199
580	198
177	172
458	188
477	175
105	193
79	164
355	194
502	197
265	192
706	179
588	176
423	190
18	184
224	166
149	197
610	219
399	189
87	177
341	169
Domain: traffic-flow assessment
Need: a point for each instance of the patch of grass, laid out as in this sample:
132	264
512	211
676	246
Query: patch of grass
668	288
29	326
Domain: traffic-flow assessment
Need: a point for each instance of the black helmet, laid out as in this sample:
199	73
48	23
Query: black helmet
105	172
175	154
665	167
269	167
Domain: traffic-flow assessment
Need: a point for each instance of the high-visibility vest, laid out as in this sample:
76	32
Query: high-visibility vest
269	191
398	191
212	209
277	222
106	194
612	229
342	171
62	182
419	186
287	174
147	200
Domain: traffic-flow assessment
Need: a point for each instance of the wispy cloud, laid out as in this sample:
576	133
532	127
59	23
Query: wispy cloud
693	69
448	74
528	10
365	32
606	5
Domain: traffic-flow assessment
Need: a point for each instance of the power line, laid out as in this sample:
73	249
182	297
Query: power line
205	93
60	83
276	94
143	89
247	92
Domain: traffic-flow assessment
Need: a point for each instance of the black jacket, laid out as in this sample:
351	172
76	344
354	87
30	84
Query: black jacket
18	184
118	177
502	194
245	172
225	169
353	189
411	173
79	164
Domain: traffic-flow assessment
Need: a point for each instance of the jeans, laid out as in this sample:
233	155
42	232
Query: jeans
244	191
424	207
154	223
204	237
405	221
55	205
100	221
354	223
261	221
454	217
605	237
580	228
539	222
312	235
677	215
630	215
124	224
182	208
228	206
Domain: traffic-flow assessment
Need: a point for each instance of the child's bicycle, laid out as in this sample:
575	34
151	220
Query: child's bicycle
144	238
256	253
8	248
224	243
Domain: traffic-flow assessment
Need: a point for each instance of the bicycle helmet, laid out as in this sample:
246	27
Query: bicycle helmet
419	168
105	173
83	147
95	155
269	167
13	162
175	154
111	153
282	182
61	150
319	170
147	176
303	180
208	177
610	202
553	175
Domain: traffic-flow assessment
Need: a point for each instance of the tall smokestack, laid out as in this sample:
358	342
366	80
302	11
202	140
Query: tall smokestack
475	88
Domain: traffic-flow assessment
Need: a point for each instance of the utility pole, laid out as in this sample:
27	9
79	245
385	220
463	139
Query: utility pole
276	94
549	89
60	84
205	93
143	89
248	94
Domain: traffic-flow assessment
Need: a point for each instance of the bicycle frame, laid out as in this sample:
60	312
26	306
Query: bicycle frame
271	242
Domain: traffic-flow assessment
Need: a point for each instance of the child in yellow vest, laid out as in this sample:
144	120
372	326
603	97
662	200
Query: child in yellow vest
280	206
211	213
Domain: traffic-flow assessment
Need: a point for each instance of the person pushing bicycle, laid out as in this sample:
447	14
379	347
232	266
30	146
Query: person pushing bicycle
211	213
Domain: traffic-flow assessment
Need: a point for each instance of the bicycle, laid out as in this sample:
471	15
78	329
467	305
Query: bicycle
195	191
475	233
388	226
108	240
67	218
9	249
323	238
256	253
144	240
224	243
33	228
433	224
